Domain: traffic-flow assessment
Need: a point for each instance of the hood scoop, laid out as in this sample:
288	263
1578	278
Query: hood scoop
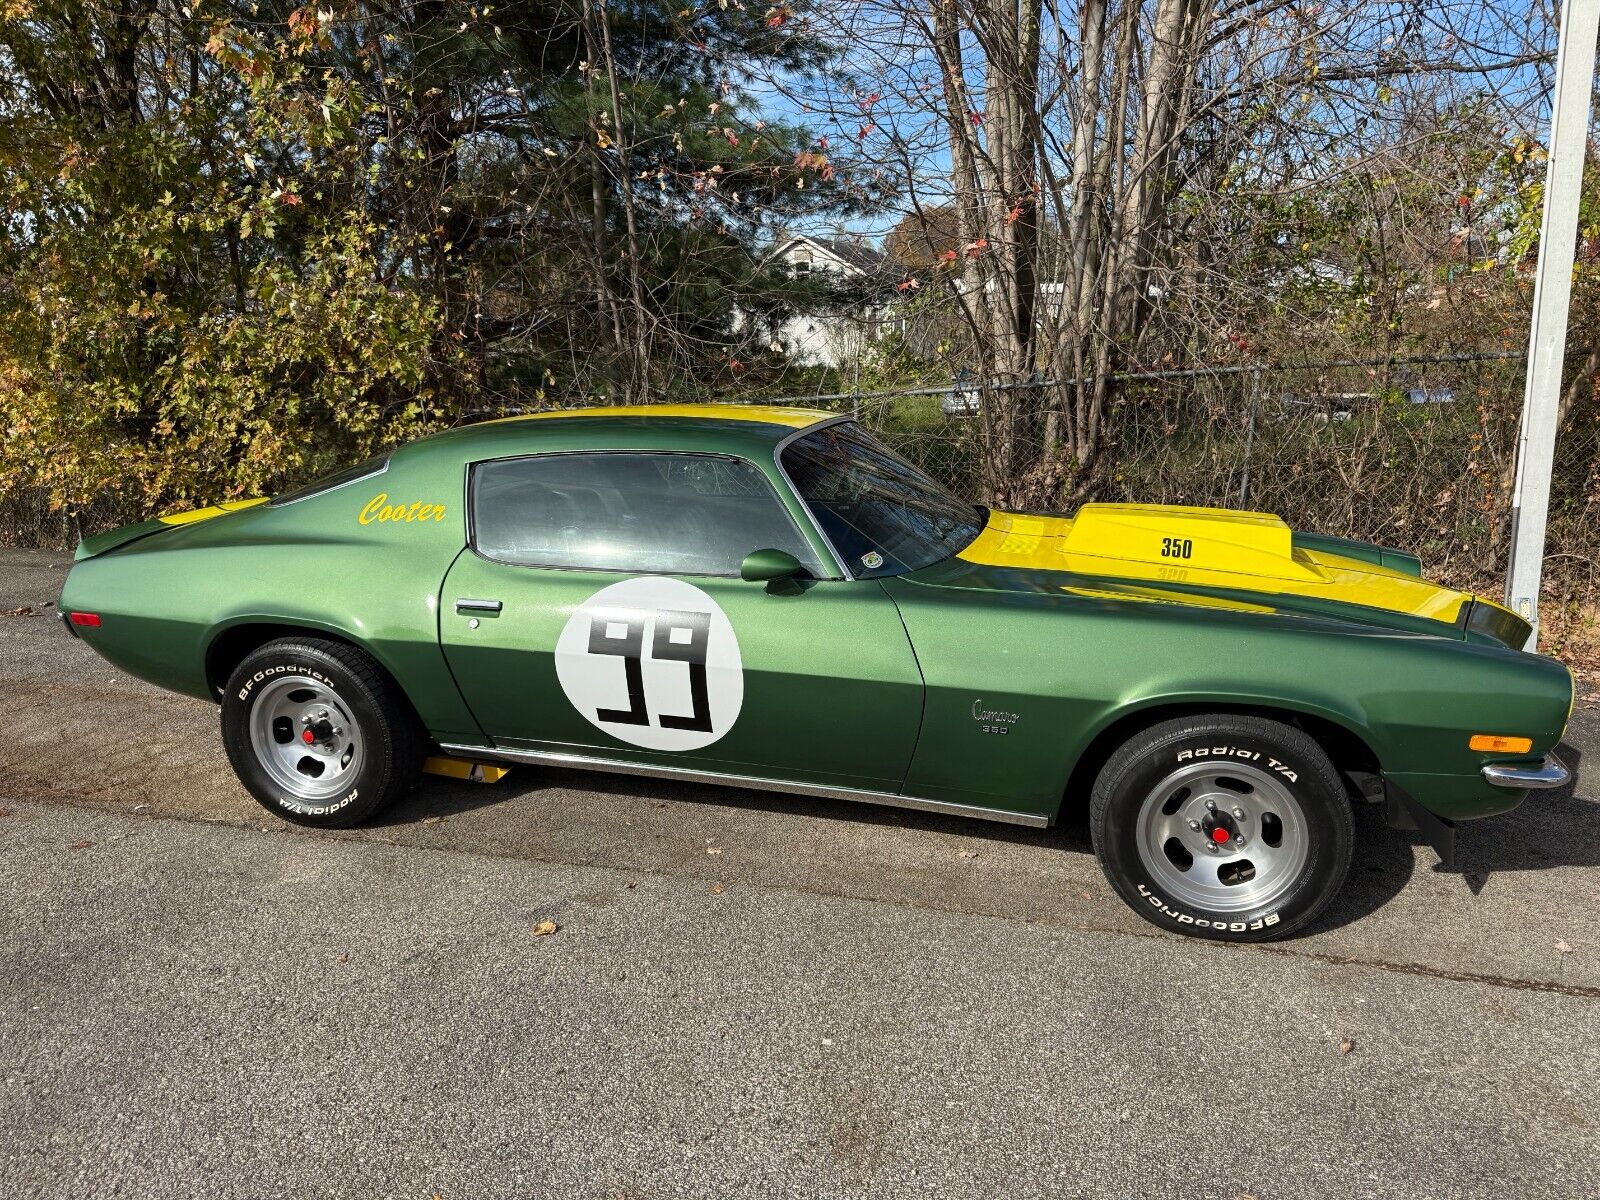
1189	539
1179	550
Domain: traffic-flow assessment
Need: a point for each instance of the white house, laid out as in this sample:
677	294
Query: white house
839	334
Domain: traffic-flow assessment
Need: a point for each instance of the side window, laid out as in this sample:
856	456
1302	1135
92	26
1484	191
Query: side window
665	514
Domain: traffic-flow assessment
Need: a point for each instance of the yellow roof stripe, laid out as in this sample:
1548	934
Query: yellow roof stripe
794	418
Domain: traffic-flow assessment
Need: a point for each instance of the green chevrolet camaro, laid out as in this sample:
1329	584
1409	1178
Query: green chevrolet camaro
770	598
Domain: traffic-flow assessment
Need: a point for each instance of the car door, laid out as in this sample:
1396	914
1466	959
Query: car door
598	611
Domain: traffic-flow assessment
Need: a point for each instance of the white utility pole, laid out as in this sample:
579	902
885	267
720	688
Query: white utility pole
1552	291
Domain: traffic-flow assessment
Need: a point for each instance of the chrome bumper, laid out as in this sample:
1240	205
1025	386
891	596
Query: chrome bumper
1551	773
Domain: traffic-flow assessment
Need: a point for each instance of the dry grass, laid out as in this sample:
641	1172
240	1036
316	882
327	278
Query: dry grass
1570	631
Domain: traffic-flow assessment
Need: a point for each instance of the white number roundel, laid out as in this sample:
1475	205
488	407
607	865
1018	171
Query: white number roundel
653	661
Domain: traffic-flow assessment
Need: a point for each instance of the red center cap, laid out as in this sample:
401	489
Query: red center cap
1218	835
308	737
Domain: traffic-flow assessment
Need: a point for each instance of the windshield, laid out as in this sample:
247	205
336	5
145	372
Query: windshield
882	515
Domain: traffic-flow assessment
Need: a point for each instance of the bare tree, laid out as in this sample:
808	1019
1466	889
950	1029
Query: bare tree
1122	172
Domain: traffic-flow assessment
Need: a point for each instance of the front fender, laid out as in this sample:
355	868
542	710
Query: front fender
1067	669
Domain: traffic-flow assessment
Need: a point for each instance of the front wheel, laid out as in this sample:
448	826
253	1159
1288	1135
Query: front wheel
1228	827
318	733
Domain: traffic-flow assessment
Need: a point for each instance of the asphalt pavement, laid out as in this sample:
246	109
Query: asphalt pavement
747	994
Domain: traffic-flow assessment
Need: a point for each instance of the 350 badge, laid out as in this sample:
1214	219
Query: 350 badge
652	661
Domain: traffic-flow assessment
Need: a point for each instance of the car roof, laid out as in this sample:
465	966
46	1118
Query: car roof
712	428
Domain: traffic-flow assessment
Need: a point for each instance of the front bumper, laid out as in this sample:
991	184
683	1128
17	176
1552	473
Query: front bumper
1550	773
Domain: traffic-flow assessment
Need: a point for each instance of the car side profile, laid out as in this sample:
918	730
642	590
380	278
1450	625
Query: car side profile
770	598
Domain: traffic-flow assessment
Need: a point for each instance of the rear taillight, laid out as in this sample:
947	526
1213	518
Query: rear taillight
85	620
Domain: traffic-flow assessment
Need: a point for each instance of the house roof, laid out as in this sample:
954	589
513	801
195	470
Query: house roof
851	251
857	254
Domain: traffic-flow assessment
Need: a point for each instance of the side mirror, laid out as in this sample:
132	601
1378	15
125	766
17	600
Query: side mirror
769	566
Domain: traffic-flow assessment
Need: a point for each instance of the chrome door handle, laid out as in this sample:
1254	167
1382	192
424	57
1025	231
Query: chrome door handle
464	604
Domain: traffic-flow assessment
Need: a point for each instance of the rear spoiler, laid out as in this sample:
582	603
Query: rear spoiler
111	539
100	543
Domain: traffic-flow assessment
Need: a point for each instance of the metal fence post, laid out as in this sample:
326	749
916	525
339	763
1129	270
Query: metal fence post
1552	292
1250	435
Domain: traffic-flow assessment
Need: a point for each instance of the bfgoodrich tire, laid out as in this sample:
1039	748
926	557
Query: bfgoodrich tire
1226	827
319	733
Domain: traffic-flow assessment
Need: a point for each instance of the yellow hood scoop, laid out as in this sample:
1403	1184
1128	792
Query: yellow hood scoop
1175	541
1208	539
1202	547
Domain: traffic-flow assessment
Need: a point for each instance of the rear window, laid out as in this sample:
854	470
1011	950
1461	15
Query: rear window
362	470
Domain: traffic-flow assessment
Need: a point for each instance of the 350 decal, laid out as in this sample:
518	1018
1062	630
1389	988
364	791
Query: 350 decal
654	662
1177	547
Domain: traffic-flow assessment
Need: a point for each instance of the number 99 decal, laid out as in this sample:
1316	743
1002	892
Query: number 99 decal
653	661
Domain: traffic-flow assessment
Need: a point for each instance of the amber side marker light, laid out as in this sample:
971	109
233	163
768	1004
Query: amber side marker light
1498	744
87	620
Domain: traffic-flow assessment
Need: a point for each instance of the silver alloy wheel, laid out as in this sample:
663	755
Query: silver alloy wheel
1267	836
312	769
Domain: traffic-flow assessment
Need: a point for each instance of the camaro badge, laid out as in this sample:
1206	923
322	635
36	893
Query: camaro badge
993	720
652	661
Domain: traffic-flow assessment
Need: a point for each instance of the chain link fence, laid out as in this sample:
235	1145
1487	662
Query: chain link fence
27	518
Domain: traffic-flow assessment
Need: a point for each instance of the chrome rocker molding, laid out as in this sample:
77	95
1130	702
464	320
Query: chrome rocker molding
581	762
1551	773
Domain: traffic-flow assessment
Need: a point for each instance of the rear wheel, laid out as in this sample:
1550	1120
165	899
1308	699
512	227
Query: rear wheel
1227	827
318	733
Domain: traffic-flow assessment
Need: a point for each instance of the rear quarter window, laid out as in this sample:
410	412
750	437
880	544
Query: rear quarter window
362	470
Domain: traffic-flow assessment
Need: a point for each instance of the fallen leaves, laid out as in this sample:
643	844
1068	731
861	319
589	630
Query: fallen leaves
6	812
966	854
717	889
1563	947
432	820
24	611
545	928
80	845
1346	1045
